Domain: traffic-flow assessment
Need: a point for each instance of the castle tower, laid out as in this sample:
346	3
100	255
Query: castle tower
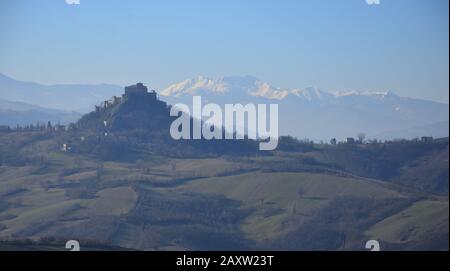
138	89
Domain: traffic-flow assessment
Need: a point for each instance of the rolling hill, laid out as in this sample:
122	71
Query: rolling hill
22	114
286	201
79	98
107	179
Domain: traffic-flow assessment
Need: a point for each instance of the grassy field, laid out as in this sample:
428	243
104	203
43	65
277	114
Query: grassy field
420	221
284	200
290	200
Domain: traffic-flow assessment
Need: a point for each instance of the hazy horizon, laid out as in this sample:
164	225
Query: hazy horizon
159	91
337	46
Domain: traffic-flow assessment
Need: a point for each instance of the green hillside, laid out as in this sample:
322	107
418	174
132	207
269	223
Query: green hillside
134	188
425	220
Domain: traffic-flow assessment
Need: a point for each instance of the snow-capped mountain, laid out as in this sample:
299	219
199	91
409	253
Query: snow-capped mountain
251	86
233	85
314	113
236	85
303	112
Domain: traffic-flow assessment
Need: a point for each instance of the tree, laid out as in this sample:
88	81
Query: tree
361	137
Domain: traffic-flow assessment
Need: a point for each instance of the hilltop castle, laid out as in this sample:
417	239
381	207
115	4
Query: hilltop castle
138	90
136	109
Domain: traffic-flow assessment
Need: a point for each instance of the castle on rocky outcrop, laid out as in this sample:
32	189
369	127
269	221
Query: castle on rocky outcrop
136	109
138	90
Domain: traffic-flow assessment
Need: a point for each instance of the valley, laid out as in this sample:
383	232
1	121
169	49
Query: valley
305	199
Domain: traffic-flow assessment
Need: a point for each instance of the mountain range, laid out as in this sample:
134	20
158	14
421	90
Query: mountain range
22	114
303	112
320	115
68	97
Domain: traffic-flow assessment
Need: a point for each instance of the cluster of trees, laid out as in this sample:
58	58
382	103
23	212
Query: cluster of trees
183	217
330	228
38	126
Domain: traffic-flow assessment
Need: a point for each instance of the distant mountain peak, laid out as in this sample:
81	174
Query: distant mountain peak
245	84
252	86
375	94
310	93
192	86
72	97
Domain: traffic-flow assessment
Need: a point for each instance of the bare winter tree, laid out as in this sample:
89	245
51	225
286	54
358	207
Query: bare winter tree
361	137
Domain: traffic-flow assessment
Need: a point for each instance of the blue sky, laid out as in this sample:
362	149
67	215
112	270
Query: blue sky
399	45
